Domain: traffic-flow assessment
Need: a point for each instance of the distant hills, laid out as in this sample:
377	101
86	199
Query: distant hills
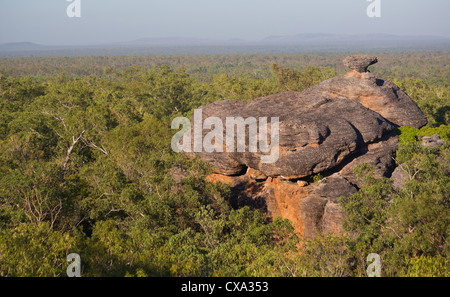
30	46
270	44
338	38
20	46
181	41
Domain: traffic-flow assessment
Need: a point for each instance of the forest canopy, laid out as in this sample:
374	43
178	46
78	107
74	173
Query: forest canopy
86	167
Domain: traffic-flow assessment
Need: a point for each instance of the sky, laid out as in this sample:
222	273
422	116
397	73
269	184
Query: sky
104	21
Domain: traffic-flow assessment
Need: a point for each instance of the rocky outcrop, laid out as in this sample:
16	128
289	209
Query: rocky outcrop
360	63
333	187
316	134
433	141
399	176
402	173
311	208
380	155
374	93
327	129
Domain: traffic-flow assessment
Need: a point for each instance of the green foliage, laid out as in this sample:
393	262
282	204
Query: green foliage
411	134
367	209
294	80
317	177
433	99
325	256
35	250
426	266
86	167
408	227
443	131
243	88
408	134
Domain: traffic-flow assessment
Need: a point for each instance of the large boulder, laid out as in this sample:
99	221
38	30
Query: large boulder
316	134
400	176
328	129
334	187
433	141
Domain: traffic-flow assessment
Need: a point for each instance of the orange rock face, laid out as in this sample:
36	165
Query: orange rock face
308	212
229	180
283	200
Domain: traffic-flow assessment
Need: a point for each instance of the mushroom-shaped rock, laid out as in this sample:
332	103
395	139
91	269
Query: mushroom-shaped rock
360	63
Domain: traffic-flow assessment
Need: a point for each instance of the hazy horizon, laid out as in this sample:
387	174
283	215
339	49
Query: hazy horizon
46	22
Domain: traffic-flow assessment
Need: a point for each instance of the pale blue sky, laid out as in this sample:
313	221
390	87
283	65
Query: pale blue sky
103	21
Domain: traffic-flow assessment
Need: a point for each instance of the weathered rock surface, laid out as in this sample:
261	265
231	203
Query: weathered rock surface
433	141
333	187
360	63
256	175
306	207
328	129
399	176
333	218
380	155
375	93
315	133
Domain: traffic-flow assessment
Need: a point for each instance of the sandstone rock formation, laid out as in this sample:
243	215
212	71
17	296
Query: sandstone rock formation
316	134
327	129
373	92
333	187
360	63
433	141
402	173
399	176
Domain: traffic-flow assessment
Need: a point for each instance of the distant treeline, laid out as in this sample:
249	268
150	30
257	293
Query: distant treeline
434	67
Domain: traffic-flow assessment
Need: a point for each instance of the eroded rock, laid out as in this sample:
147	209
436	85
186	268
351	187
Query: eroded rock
400	176
333	187
330	129
374	93
316	134
309	212
360	63
433	141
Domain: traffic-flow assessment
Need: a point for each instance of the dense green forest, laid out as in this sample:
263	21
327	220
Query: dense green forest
86	167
